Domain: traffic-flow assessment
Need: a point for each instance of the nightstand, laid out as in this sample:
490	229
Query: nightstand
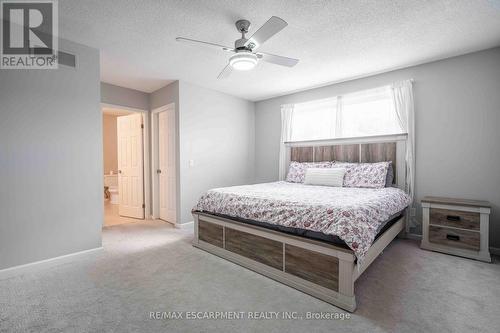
456	226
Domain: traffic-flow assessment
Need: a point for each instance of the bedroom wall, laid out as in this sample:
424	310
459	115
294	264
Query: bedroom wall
217	135
131	98
51	162
222	155
457	113
164	96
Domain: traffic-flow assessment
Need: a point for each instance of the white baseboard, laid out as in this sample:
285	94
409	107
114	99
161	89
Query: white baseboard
6	272
182	226
495	251
414	236
185	226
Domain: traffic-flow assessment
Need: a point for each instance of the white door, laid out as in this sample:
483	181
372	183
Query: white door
130	166
166	165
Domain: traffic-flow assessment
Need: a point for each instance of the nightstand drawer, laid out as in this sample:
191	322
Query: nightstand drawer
460	239
456	226
455	218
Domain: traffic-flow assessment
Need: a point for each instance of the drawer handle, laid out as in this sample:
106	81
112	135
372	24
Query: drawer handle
453	237
453	218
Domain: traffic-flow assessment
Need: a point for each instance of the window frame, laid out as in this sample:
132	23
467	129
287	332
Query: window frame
338	114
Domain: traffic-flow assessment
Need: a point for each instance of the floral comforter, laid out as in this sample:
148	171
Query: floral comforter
352	214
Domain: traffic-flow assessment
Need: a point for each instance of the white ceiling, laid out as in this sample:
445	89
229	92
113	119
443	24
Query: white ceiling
334	39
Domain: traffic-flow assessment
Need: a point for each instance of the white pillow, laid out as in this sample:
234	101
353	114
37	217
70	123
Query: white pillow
325	176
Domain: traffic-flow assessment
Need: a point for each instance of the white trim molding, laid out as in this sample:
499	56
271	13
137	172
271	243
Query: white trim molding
416	237
122	107
155	205
146	144
354	140
185	226
6	272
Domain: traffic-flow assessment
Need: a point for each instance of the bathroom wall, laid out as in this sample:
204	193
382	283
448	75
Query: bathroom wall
110	143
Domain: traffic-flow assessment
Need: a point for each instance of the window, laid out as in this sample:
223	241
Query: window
314	120
364	113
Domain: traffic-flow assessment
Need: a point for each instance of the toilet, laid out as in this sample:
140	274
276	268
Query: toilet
111	181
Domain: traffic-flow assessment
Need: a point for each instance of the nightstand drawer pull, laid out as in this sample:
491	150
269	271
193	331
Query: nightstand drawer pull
454	218
453	237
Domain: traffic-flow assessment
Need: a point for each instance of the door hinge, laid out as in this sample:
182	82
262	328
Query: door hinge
143	206
142	125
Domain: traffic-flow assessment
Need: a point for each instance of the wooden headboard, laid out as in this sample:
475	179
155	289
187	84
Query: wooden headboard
366	150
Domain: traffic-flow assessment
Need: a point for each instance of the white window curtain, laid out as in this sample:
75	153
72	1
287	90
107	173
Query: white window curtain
286	135
315	120
365	113
405	111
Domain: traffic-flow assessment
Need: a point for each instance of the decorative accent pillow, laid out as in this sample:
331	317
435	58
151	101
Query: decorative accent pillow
325	176
370	175
390	176
297	170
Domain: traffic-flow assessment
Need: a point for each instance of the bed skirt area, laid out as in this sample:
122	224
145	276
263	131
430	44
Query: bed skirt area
322	270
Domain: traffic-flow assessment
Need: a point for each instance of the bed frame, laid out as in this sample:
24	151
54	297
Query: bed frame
322	270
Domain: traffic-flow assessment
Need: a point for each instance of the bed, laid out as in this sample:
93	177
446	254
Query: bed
317	239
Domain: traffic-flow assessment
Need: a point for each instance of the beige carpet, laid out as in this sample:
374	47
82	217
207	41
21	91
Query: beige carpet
149	266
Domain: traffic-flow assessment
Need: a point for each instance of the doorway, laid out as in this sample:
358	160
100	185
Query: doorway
125	151
164	163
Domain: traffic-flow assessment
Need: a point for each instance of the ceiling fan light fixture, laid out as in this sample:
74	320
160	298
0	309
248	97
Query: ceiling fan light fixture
243	56
243	61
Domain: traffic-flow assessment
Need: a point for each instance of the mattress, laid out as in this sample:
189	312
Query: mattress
353	215
315	235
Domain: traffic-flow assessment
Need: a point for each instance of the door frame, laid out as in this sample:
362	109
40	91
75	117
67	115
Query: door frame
146	145
155	213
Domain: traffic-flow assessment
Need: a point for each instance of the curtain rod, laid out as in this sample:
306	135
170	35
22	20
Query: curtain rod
410	79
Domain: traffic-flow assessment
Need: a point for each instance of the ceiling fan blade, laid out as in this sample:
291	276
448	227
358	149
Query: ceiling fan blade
225	72
278	60
268	30
194	41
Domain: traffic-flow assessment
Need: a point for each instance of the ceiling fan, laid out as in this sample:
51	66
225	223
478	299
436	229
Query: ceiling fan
244	57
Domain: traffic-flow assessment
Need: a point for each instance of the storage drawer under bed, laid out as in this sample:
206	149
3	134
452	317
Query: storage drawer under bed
306	264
